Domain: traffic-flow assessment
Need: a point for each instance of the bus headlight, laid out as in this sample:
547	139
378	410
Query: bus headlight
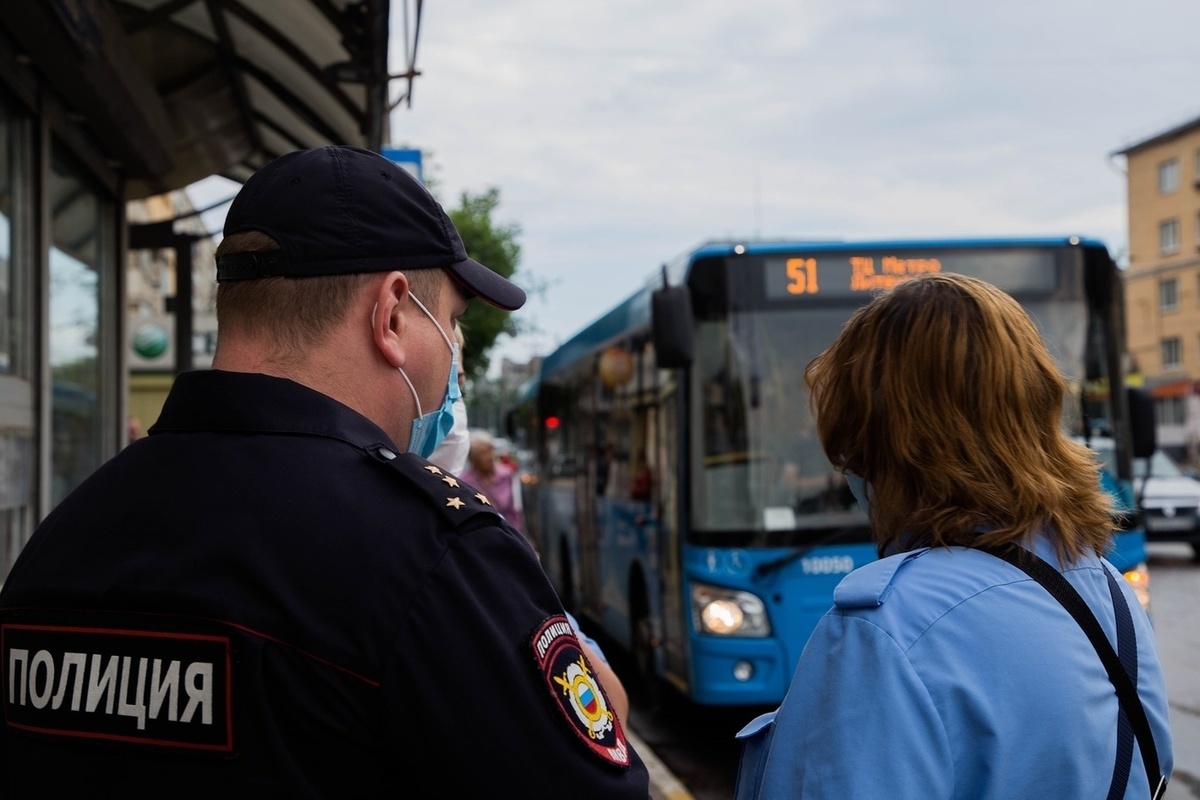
1139	580
728	612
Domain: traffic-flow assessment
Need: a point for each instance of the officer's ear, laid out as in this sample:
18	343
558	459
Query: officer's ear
388	325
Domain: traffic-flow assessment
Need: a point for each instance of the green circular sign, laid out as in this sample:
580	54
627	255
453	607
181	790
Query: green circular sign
150	341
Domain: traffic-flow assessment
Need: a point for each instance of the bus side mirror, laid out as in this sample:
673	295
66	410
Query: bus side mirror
671	321
1141	422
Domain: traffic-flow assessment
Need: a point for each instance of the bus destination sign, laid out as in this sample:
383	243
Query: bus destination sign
848	274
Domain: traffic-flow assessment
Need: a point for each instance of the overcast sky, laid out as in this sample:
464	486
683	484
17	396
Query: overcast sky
623	133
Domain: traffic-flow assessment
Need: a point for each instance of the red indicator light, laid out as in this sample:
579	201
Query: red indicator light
551	422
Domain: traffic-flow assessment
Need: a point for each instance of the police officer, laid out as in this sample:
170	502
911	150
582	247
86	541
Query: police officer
274	591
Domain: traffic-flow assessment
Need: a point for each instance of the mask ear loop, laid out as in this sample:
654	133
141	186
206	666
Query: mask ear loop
445	338
432	319
416	397
411	389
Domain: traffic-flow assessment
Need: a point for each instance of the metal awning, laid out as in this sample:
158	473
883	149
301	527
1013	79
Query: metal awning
177	90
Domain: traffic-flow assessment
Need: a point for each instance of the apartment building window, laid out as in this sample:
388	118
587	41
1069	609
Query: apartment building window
1168	176
1170	411
1168	295
1172	357
1168	236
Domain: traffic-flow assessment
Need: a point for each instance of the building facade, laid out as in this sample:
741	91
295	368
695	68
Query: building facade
1162	283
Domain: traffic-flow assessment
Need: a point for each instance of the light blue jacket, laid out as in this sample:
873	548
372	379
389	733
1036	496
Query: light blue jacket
948	674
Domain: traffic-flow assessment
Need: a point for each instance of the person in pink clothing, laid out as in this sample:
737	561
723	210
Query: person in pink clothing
495	478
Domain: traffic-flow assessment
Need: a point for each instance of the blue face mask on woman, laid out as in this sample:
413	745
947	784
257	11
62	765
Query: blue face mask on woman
428	430
861	491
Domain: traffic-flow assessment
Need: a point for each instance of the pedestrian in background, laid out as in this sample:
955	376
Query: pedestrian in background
274	594
495	478
943	671
452	455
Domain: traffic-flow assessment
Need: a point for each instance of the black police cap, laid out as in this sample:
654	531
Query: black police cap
339	210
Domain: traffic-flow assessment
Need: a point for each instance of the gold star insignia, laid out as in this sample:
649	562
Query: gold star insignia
455	502
433	469
450	481
483	499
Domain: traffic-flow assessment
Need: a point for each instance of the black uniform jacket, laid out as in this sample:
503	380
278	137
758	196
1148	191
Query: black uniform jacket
263	598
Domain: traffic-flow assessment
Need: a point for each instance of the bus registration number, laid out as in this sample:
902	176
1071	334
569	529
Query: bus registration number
827	565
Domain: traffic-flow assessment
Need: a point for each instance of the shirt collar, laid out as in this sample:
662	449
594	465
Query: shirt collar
246	402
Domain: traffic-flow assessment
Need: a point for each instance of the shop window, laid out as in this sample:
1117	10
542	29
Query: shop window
15	211
78	265
18	458
7	298
1170	411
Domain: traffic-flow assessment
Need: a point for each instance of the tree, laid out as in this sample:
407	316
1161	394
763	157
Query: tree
494	246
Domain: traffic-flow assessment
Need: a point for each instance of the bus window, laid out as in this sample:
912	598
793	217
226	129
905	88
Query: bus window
760	469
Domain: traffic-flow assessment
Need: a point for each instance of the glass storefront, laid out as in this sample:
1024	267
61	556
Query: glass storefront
6	269
18	456
78	256
59	313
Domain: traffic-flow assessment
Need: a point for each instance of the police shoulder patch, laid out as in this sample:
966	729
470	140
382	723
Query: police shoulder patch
576	691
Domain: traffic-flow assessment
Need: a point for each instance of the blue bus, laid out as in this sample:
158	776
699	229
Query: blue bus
679	496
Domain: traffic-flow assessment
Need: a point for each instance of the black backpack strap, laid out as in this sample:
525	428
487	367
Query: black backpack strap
1065	593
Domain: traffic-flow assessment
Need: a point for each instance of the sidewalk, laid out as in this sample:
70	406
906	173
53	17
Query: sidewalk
663	783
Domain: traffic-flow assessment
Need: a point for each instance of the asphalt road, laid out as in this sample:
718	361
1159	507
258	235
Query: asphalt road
1175	603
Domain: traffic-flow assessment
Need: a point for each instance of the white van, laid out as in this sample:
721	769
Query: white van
1169	499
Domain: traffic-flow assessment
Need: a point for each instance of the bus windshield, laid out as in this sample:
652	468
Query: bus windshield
759	475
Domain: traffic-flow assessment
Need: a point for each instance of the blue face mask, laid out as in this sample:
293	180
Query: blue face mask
861	491
428	430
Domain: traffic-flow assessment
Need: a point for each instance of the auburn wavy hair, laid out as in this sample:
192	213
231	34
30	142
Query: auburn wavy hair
942	396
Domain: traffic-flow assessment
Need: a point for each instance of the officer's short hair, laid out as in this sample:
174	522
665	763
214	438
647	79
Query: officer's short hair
296	314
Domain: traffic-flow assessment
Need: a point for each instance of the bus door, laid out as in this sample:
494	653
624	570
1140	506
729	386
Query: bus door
672	468
616	523
589	485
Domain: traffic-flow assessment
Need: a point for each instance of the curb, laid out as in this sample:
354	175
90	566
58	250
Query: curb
663	783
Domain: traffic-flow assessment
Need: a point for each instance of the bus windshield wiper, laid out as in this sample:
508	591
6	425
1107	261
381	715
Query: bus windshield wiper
767	567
